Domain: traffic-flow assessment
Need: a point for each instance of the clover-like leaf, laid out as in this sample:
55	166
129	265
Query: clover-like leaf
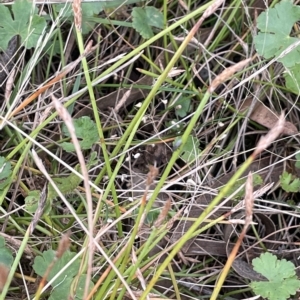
145	18
62	284
41	264
292	79
183	106
85	130
88	10
282	280
275	26
289	183
25	23
190	150
62	291
32	201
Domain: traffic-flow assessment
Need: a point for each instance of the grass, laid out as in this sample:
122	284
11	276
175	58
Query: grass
124	220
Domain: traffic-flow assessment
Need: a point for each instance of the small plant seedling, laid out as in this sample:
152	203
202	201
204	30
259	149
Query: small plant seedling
289	183
86	130
175	129
66	185
282	279
190	150
183	107
257	180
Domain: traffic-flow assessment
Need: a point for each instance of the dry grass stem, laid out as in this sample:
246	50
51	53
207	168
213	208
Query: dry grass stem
122	100
15	243
63	113
271	136
40	165
227	74
234	251
76	5
249	201
263	190
39	212
152	174
212	8
138	272
56	79
182	115
104	274
171	222
64	244
182	3
164	212
4	271
9	85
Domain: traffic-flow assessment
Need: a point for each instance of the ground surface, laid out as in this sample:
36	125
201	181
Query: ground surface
144	147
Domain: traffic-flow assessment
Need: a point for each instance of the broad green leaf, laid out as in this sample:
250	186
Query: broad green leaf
25	23
272	268
145	18
6	257
275	26
297	164
88	10
292	79
63	290
152	217
5	168
62	285
5	172
33	199
41	264
282	280
154	17
86	131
